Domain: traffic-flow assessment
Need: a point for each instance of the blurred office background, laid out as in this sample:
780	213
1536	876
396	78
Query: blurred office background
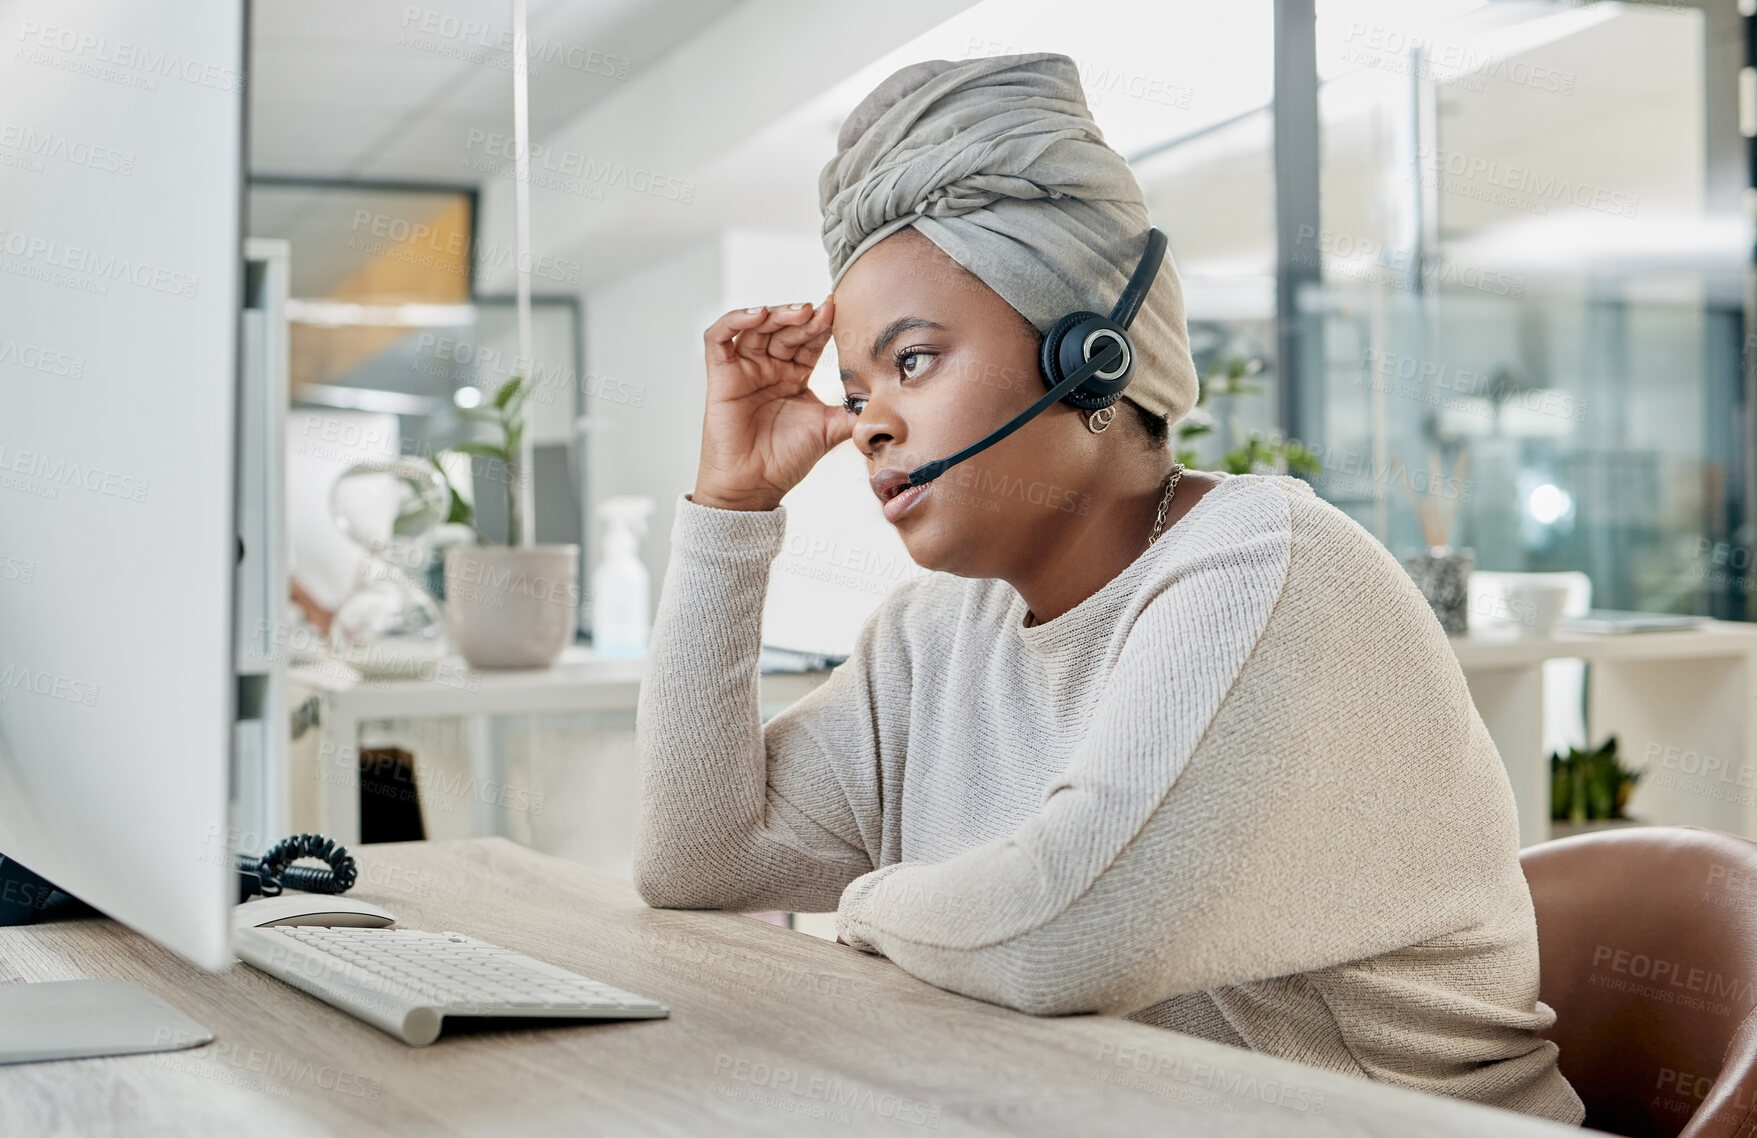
1513	229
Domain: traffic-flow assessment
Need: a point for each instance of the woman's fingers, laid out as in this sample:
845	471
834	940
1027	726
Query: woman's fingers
838	426
786	343
754	344
719	335
795	333
808	353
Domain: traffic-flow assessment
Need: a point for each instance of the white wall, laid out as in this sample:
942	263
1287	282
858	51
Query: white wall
645	330
840	557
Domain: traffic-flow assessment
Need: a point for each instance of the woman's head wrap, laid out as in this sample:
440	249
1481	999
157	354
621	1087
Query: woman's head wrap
997	161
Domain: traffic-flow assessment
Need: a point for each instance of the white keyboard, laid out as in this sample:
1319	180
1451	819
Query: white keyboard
406	983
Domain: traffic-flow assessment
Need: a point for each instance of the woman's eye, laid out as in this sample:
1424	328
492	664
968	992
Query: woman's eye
910	364
903	363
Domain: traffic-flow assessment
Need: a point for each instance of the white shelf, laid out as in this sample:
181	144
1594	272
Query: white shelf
1720	638
1679	703
580	682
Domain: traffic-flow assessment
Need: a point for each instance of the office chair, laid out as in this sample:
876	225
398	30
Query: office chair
1647	945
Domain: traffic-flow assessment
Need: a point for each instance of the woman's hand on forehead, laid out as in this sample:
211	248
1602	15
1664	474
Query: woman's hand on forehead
763	429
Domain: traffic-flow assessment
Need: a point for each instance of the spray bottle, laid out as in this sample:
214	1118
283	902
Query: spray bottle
621	620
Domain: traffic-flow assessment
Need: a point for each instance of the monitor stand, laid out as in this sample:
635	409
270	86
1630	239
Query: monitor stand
77	1019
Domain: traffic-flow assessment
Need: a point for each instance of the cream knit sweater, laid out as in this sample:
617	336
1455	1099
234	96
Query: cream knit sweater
1239	792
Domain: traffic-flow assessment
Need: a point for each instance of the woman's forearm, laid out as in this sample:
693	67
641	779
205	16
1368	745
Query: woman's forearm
713	832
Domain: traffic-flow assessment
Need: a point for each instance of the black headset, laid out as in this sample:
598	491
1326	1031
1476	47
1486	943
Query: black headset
1087	359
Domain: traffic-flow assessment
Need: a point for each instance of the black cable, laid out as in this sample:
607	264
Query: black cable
275	870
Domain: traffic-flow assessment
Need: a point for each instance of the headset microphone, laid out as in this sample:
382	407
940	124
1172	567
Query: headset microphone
1087	359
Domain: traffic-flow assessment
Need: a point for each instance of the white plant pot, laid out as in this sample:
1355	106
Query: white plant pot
511	607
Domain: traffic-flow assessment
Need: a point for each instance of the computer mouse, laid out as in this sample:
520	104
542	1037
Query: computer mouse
326	910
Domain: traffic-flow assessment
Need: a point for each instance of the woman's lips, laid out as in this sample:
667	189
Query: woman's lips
901	504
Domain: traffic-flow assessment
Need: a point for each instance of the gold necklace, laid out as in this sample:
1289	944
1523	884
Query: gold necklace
1177	473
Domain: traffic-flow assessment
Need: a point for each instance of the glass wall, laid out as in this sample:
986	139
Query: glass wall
1531	310
1529	323
1213	192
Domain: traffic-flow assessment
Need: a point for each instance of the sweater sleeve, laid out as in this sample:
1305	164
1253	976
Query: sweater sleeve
1074	911
736	814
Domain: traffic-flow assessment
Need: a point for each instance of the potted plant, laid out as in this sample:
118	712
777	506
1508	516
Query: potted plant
1589	790
514	605
1226	380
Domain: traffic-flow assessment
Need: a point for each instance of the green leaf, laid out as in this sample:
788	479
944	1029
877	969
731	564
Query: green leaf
457	511
507	390
1300	460
482	450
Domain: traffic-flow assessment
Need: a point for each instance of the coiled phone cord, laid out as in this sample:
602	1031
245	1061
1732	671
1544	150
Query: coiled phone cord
275	870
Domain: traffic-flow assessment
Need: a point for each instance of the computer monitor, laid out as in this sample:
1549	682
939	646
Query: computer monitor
121	149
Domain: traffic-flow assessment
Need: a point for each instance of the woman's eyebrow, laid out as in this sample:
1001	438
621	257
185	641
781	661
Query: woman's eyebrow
890	332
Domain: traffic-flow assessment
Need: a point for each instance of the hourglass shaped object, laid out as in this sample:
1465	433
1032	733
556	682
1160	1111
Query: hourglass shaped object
389	626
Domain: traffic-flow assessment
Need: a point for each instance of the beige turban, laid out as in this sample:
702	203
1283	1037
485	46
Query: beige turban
997	161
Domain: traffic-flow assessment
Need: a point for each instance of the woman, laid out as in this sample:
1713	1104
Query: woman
1183	747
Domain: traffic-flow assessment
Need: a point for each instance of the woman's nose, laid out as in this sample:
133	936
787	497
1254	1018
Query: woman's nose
876	426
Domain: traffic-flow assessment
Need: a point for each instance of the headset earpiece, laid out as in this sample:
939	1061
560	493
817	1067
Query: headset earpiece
1070	349
1075	340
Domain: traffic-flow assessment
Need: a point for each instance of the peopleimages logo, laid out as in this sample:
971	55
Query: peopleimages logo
1098	79
1668	981
1210	1077
107	58
1455	59
442	33
485	365
829	1092
51	473
17	677
35	357
1429	380
510	582
1541	188
1364	259
398	238
52	254
572	164
39	146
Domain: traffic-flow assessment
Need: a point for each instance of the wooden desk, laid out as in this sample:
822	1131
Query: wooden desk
771	1032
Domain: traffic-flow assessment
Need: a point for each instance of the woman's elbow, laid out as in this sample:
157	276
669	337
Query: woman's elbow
1040	980
1041	1002
1047	999
1016	978
665	884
